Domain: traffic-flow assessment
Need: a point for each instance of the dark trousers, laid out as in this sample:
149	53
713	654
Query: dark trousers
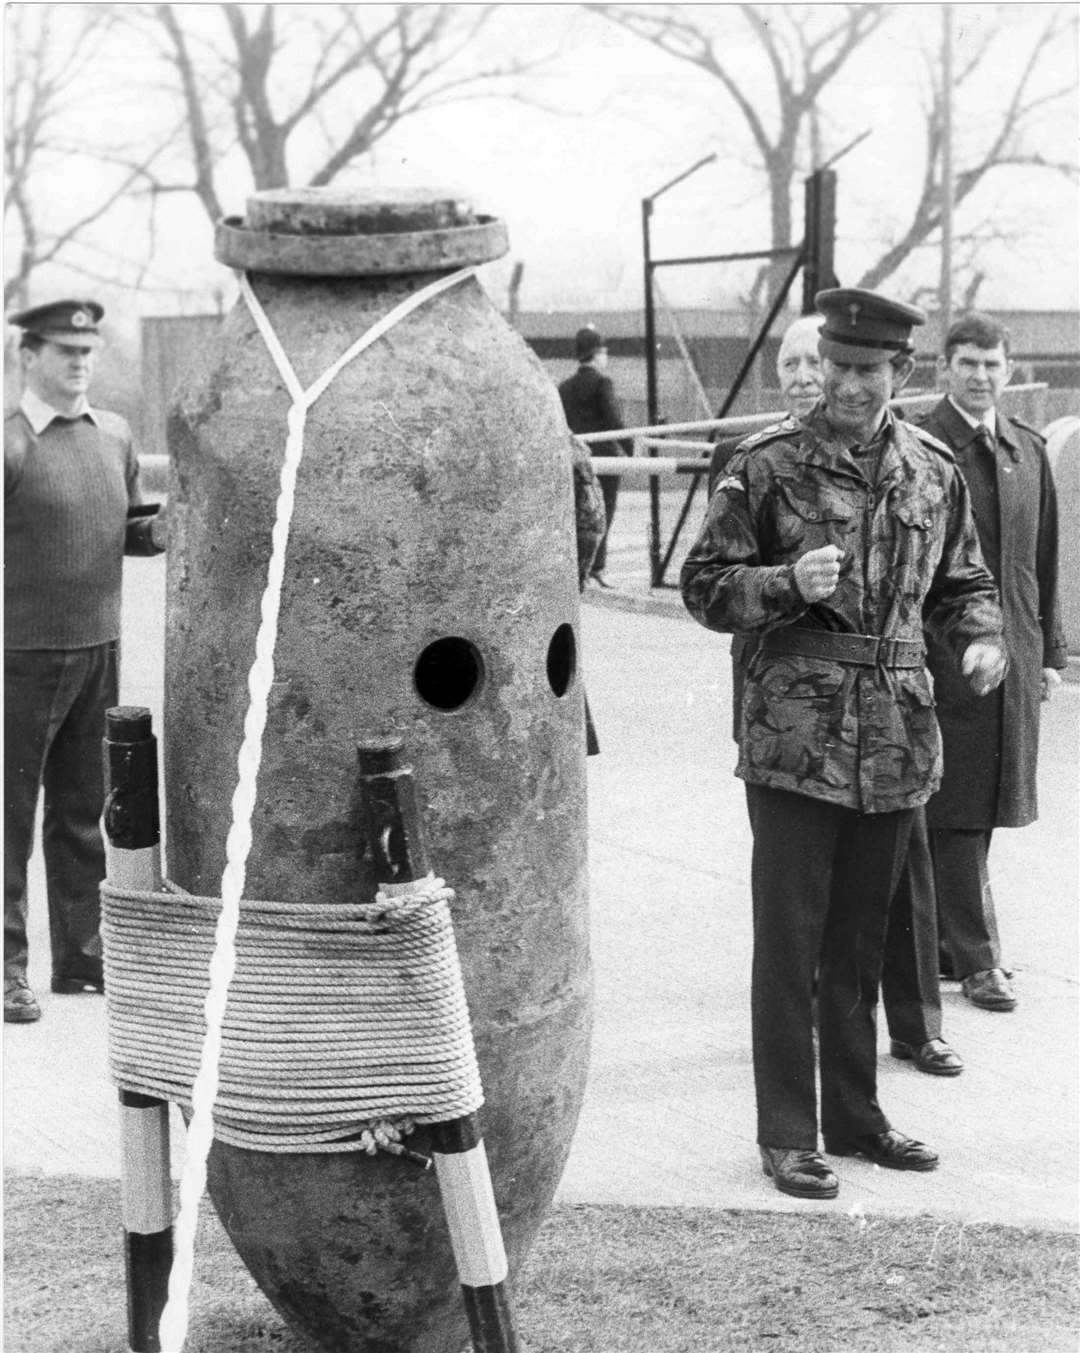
910	976
966	919
910	980
609	487
54	721
822	878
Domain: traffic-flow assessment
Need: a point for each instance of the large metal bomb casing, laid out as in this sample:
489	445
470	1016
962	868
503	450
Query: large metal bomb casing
430	591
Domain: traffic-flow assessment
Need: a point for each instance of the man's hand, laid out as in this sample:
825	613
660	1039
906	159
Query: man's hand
818	572
984	665
1051	679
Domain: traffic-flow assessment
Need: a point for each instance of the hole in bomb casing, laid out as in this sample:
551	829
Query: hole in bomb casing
448	672
561	659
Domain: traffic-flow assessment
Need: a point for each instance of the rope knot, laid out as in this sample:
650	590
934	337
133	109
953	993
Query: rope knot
398	901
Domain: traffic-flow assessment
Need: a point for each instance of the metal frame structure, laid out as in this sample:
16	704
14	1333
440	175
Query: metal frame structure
814	256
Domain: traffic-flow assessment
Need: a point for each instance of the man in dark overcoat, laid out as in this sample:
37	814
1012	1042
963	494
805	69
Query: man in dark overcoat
991	744
591	405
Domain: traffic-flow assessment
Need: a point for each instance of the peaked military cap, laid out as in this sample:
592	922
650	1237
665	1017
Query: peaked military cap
587	342
861	326
61	320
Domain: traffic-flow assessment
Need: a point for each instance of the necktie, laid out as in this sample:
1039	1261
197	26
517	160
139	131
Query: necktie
985	439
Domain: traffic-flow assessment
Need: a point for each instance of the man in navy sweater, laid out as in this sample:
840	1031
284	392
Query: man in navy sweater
71	482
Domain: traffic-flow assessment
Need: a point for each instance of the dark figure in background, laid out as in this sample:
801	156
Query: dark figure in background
71	476
835	539
590	404
991	746
589	525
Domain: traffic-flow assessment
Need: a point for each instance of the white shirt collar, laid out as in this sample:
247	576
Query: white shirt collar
988	420
39	414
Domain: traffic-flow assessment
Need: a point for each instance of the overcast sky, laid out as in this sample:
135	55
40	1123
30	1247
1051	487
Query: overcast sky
571	187
569	183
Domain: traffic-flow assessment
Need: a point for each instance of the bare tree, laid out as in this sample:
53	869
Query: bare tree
48	59
251	78
1007	135
805	46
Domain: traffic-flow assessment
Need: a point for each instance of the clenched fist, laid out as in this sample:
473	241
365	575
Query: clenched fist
984	664
818	572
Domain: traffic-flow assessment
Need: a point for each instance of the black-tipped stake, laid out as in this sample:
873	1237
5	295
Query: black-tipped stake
133	860
400	856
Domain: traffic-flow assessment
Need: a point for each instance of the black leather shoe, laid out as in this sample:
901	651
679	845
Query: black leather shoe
990	989
20	1003
86	976
890	1149
803	1174
936	1058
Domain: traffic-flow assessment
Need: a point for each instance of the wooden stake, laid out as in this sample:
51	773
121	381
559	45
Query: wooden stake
133	860
400	855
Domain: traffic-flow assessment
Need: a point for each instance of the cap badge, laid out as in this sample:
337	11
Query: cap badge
80	319
853	311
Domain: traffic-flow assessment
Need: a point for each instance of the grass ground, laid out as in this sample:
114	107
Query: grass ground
602	1280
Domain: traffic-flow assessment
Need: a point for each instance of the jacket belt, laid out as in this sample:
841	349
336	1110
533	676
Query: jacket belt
864	650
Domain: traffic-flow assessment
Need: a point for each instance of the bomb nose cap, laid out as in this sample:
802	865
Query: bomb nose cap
339	232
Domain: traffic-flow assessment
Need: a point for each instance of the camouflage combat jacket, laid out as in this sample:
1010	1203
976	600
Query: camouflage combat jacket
864	737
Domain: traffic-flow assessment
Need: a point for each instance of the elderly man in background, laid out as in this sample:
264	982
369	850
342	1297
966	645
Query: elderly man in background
72	510
991	745
835	538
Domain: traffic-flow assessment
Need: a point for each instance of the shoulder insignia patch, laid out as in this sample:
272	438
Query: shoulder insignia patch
730	482
774	432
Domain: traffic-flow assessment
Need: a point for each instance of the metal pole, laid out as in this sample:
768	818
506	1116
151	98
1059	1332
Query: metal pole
651	399
651	393
133	860
945	284
660	568
774	310
396	838
744	422
726	258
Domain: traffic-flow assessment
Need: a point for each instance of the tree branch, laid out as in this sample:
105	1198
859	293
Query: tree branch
198	135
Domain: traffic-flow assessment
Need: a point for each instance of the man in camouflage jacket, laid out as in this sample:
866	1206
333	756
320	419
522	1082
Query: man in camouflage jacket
835	538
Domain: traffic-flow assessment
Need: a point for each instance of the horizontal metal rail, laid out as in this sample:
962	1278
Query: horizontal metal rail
678	444
660	433
733	425
642	467
669	467
728	258
751	421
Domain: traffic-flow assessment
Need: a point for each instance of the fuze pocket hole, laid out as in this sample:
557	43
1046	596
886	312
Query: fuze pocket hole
561	659
448	672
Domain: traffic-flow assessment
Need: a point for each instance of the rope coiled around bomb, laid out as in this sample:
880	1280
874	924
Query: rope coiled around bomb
345	1023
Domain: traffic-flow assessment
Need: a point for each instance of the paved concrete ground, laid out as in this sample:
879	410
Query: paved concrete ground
668	1117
